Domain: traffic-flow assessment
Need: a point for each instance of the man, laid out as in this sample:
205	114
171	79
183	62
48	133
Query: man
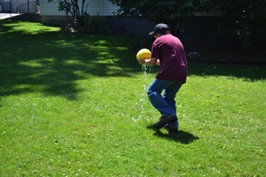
167	52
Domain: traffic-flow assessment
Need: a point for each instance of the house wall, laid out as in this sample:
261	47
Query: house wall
92	7
52	16
100	8
50	8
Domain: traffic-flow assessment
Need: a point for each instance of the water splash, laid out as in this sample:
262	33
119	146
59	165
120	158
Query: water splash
142	99
144	68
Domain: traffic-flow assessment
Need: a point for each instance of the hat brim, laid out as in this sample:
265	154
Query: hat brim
151	33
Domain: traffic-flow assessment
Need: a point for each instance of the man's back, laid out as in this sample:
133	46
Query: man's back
173	63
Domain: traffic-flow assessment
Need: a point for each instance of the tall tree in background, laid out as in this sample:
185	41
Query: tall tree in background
241	20
173	12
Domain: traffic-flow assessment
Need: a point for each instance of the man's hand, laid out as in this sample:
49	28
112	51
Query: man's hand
158	62
141	61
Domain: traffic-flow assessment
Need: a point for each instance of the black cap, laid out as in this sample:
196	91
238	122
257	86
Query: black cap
160	28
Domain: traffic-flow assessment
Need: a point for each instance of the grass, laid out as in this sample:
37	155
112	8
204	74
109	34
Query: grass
75	105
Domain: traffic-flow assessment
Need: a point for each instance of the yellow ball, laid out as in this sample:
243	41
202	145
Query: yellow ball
143	53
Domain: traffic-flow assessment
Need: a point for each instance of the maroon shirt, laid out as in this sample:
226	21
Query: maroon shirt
173	62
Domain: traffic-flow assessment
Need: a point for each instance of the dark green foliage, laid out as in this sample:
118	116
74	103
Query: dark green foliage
95	25
172	12
242	20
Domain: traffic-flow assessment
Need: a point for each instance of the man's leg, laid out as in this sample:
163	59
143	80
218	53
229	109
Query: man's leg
169	96
157	100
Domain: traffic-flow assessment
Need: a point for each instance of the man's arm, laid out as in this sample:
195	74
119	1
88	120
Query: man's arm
150	62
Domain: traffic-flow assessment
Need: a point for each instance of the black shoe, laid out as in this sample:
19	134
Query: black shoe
164	120
171	129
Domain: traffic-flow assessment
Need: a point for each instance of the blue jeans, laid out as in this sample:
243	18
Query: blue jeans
164	103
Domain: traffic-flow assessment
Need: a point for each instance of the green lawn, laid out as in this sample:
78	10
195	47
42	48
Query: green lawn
75	105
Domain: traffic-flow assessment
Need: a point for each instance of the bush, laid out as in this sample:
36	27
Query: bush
95	24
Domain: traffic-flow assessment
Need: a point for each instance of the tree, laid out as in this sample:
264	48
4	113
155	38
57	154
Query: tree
173	12
71	7
241	20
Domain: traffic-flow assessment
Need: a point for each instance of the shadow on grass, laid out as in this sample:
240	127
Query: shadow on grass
247	71
182	136
51	62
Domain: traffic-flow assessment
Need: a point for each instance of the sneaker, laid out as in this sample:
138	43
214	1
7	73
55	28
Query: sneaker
163	121
171	129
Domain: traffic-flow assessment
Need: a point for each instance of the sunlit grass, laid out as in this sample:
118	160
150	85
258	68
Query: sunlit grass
28	28
75	105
